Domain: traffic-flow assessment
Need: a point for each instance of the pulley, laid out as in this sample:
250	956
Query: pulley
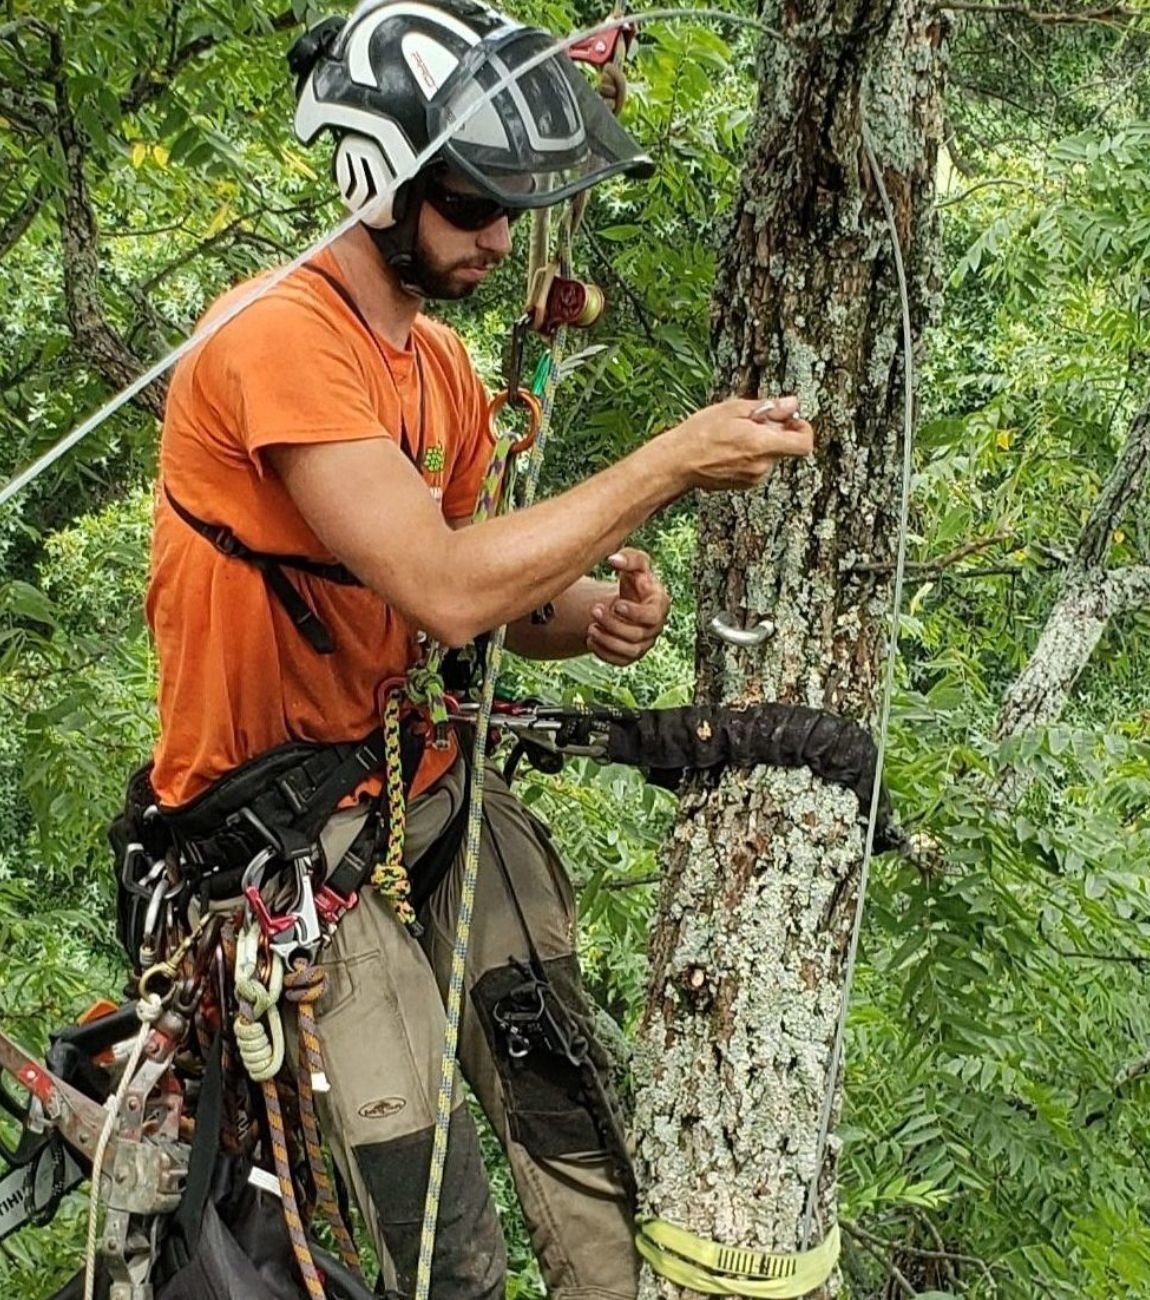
556	300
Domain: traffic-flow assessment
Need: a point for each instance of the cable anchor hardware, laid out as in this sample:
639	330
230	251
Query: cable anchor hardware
744	638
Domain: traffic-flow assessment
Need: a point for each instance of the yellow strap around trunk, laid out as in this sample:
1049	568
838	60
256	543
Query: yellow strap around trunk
714	1269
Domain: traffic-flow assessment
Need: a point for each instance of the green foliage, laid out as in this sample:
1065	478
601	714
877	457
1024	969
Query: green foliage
997	1105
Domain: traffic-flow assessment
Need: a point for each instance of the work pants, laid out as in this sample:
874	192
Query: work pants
381	1024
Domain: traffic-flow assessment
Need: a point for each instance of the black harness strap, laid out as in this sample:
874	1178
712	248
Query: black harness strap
272	567
189	1214
281	800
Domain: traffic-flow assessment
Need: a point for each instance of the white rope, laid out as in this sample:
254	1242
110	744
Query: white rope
888	690
148	1009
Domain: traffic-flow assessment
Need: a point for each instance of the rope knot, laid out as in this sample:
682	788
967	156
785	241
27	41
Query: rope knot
393	882
305	983
425	686
149	1008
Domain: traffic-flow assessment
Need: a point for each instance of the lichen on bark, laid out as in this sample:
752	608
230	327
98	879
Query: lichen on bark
747	956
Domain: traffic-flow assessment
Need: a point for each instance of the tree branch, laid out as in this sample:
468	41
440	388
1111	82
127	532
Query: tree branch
27	114
95	337
1127	589
632	882
16	226
1112	14
152	82
27	24
874	1246
941	1255
1089	599
1123	484
982	185
1131	1074
968	548
642	314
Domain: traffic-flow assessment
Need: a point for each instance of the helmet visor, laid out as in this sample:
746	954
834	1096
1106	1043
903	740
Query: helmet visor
542	137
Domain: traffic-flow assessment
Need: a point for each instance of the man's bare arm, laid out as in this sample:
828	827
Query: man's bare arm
370	506
564	635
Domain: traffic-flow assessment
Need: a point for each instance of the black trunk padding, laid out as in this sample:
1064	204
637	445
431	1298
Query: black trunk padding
666	744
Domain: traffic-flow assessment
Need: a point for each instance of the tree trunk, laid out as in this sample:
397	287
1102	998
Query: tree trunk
1075	626
1091	597
747	958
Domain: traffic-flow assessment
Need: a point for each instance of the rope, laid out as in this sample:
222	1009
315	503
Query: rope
261	1050
390	876
149	1009
711	1268
277	1138
304	985
471	856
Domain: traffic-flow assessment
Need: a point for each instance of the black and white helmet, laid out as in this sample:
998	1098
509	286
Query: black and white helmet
398	75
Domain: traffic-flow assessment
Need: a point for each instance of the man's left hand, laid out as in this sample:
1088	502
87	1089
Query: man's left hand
626	627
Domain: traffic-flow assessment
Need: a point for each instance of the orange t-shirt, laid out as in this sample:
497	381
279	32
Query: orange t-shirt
236	677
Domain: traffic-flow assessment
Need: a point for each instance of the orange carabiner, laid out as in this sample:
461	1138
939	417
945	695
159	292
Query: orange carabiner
526	398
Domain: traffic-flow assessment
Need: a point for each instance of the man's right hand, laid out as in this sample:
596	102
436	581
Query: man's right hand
734	445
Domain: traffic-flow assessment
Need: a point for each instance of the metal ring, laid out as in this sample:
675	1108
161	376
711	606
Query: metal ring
528	399
746	638
161	969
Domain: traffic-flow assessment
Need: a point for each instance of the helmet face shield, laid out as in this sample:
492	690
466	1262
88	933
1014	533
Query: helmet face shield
541	137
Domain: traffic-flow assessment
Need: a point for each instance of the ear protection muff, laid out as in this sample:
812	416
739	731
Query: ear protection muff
362	175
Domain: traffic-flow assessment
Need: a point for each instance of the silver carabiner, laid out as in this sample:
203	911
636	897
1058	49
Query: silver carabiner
307	932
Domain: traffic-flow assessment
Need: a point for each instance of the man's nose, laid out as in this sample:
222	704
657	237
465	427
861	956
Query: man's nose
496	238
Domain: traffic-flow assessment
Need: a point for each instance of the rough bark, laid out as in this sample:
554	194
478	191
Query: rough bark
747	959
1091	596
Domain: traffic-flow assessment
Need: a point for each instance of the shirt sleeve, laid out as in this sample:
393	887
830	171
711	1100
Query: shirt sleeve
285	374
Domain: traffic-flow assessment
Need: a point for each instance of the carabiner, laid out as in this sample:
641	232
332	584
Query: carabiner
523	397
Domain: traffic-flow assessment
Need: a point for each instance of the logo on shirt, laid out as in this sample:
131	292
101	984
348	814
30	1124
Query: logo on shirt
433	464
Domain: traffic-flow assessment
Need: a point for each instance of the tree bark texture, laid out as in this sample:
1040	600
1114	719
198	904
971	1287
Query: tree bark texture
97	340
747	958
1091	596
1075	626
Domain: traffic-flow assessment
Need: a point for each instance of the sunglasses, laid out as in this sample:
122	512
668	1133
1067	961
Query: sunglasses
469	212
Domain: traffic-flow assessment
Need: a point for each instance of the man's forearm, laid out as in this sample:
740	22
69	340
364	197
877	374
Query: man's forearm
564	635
503	568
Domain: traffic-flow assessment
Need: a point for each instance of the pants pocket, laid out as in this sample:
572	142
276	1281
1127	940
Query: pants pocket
550	1110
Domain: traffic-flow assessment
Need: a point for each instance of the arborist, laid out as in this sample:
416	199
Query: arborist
321	458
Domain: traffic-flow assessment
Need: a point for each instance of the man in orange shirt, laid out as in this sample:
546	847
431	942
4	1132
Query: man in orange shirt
321	455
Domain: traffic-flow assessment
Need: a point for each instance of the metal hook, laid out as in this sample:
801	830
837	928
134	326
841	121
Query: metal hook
745	638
